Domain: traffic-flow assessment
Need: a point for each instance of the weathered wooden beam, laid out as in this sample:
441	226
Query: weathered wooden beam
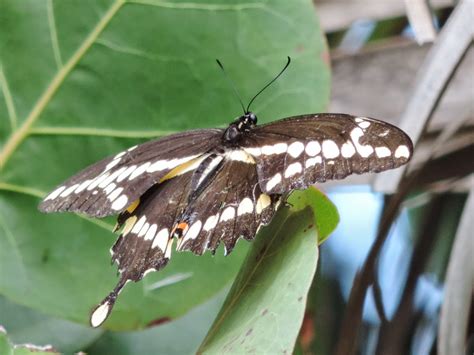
337	15
421	20
379	82
432	81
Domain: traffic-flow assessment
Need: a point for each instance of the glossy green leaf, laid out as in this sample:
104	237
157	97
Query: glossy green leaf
325	212
179	337
5	346
265	307
80	80
8	348
26	325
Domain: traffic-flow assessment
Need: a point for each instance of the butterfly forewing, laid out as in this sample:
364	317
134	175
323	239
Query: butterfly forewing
297	152
112	184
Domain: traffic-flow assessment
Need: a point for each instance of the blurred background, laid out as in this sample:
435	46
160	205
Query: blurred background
401	272
397	275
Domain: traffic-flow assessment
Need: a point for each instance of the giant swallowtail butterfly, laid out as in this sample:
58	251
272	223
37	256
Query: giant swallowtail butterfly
204	187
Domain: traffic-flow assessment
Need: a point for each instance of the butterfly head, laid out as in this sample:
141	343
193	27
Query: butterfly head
242	124
247	121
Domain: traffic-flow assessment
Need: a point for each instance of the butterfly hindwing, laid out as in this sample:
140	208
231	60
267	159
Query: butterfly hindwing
297	152
144	243
231	206
112	184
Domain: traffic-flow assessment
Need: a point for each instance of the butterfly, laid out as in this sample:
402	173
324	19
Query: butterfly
207	187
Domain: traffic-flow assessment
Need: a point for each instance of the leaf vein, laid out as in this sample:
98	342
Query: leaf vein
19	135
8	99
196	6
98	132
136	52
54	34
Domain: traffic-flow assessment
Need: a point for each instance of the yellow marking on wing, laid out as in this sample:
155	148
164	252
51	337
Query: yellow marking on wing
133	206
181	169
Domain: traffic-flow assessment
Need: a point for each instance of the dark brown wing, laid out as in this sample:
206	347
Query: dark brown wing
299	151
111	185
145	243
231	206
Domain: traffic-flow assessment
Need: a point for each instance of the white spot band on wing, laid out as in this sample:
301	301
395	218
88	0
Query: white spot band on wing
364	150
274	181
330	149
211	222
55	193
382	152
295	149
227	214
139	225
193	232
347	150
245	206
313	161
293	169
120	203
240	155
402	151
313	148
161	239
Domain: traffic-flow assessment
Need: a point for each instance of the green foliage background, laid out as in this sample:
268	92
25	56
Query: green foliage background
84	79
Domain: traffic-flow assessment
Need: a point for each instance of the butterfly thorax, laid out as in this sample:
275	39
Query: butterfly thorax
240	126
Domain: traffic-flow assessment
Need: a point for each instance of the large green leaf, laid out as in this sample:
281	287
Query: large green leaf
265	307
8	348
80	80
181	336
26	325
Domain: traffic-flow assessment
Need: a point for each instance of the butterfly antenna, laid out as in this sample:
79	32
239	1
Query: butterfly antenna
270	83
231	84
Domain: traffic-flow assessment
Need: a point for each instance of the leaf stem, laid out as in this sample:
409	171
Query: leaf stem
19	135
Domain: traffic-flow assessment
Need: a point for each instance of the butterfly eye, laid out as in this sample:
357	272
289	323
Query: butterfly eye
253	118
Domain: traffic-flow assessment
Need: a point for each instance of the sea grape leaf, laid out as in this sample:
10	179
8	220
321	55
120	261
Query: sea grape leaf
181	336
26	325
326	215
264	309
8	348
80	80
